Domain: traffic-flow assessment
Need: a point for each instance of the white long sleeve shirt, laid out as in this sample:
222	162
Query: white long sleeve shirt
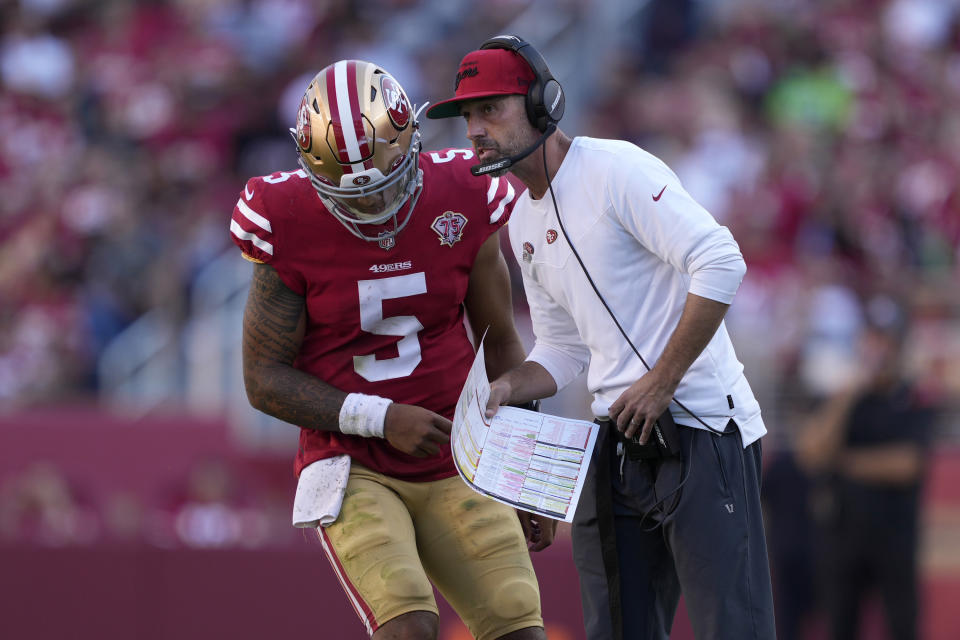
646	244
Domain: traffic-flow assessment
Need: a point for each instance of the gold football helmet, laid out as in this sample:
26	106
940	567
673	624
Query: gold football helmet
359	144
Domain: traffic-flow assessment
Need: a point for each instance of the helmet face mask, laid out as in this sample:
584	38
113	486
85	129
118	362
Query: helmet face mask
376	198
359	144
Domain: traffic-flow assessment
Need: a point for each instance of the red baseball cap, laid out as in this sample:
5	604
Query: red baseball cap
484	73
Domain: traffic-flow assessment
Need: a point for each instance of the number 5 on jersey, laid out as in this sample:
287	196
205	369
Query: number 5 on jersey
372	294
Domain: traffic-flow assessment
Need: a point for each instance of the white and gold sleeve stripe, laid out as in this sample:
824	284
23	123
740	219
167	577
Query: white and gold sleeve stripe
259	243
253	216
504	201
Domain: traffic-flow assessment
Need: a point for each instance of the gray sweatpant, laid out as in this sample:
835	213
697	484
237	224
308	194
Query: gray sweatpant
705	539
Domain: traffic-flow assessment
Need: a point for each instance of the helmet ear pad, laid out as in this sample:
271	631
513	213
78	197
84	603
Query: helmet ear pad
545	100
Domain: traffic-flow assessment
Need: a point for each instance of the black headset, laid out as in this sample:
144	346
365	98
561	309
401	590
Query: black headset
545	99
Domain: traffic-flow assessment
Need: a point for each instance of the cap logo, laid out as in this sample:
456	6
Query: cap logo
303	125
396	102
469	72
551	236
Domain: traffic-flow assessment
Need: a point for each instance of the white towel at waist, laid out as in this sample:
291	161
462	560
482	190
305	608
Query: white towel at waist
320	492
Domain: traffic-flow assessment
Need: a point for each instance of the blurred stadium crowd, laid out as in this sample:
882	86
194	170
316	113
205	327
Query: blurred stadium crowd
825	134
212	507
827	137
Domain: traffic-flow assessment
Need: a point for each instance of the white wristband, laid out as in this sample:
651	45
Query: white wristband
363	415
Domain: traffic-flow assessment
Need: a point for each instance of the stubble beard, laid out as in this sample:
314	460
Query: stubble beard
515	145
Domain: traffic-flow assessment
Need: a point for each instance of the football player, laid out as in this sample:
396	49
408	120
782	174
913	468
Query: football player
365	260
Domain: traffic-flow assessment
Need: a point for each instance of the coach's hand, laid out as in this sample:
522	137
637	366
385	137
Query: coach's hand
639	406
500	391
539	530
415	430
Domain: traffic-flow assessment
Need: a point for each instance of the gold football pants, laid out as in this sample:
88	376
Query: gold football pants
393	538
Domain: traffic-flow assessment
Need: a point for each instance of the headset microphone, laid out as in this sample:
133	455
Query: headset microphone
506	163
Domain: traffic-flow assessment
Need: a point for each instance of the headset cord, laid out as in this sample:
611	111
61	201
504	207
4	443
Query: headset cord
658	504
576	254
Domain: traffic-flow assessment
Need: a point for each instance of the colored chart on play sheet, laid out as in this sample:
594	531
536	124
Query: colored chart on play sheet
530	460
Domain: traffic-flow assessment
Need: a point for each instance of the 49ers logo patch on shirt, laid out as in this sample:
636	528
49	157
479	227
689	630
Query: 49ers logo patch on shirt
527	254
449	227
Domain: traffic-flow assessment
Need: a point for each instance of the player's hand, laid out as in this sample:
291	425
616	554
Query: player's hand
637	408
539	530
415	430
500	391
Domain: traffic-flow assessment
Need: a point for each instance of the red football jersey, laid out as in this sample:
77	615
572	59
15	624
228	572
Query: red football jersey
387	322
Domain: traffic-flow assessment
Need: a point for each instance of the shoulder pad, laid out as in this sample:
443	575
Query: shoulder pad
500	192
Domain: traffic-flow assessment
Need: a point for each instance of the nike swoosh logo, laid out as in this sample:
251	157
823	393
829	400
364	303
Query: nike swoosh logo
656	198
248	193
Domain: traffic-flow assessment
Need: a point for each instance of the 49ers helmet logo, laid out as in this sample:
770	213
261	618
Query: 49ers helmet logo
449	227
398	108
303	125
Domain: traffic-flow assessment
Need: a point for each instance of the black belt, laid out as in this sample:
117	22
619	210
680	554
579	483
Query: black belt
663	443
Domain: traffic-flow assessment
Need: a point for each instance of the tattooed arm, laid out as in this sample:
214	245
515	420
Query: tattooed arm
273	326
